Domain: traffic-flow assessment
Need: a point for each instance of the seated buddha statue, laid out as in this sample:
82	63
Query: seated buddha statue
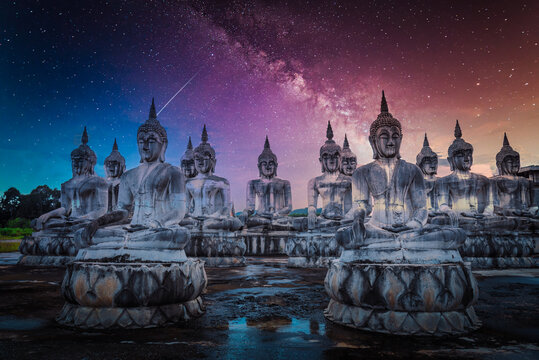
332	186
392	191
348	159
187	162
269	198
427	160
154	192
114	168
208	195
466	197
84	197
511	193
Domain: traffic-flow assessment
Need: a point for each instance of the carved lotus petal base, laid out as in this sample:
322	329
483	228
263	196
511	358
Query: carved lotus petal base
502	262
48	243
403	322
45	260
223	261
86	317
499	244
309	262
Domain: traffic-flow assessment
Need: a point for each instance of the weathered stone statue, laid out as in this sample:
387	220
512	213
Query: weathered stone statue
274	195
396	274
114	168
332	186
208	195
427	160
187	162
137	275
511	193
84	197
348	159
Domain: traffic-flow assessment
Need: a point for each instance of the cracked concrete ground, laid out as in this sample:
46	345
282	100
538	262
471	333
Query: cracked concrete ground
265	311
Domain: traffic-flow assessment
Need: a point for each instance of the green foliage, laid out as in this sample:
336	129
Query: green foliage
15	205
18	223
14	233
9	246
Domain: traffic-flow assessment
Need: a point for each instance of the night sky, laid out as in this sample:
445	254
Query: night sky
263	67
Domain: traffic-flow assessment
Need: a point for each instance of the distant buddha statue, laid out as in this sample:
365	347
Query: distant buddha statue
348	159
155	193
511	193
269	196
114	168
332	186
208	195
427	160
84	197
187	162
462	195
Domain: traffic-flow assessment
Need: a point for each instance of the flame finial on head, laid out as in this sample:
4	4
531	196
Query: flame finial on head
505	140
345	145
115	145
329	132
153	113
458	131
425	141
383	105
84	137
204	136
266	143
189	144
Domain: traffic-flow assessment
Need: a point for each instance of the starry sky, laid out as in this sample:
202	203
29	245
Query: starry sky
262	67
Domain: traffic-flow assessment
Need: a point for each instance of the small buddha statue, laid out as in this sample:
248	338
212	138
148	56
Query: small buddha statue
511	193
84	197
154	192
348	159
332	186
208	195
464	196
274	195
187	162
392	191
114	168
427	160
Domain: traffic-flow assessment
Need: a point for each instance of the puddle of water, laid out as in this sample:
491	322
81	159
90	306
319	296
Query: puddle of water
280	325
11	322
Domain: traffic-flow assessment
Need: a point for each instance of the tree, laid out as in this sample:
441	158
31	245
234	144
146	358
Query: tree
9	204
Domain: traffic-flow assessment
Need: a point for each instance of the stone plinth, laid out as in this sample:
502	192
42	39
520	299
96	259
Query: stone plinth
312	249
47	248
500	249
266	243
217	248
102	295
403	299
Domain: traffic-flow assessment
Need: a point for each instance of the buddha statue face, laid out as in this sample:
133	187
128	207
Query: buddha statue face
267	167
188	167
331	160
510	165
204	162
429	165
113	169
387	141
81	165
150	146
348	165
462	159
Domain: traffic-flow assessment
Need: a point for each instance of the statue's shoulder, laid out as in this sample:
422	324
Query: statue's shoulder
97	181
479	177
219	179
364	169
283	181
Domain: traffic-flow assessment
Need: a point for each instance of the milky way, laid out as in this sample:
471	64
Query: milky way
267	67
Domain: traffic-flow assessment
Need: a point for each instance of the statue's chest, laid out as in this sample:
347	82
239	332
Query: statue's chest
508	186
265	188
327	188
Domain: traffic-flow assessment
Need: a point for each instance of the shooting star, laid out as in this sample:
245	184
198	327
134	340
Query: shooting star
177	92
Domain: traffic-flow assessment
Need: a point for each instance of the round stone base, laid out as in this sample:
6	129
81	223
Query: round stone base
403	322
45	260
309	262
223	261
86	317
502	262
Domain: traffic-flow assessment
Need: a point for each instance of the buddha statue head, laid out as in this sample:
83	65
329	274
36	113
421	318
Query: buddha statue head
267	162
507	160
427	160
83	158
348	159
187	162
460	153
330	153
152	139
205	155
114	163
385	134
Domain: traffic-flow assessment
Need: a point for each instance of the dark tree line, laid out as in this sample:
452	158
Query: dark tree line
14	205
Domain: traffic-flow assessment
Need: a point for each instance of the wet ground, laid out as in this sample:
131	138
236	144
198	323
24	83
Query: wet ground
265	311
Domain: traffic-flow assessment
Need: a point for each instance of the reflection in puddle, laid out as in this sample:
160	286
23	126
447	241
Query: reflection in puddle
11	322
280	325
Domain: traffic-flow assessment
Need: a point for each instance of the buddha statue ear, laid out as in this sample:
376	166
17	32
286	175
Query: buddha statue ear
451	163
213	162
163	149
375	154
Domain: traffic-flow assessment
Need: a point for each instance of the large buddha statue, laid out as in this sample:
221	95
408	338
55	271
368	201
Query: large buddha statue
155	194
114	168
465	197
332	186
84	197
393	275
208	195
511	193
269	196
187	162
427	160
